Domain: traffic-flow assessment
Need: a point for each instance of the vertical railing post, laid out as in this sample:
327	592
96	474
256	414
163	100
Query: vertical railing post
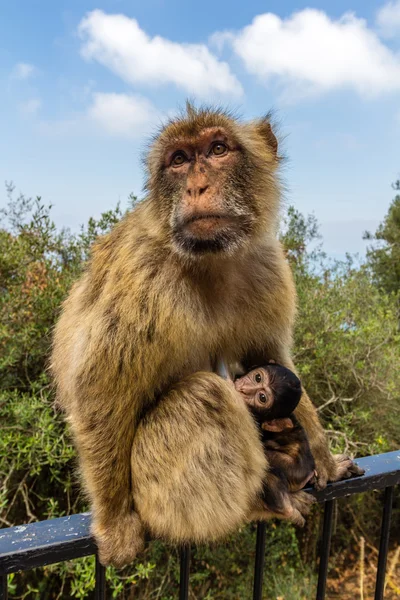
100	589
259	561
325	548
3	587
384	543
184	573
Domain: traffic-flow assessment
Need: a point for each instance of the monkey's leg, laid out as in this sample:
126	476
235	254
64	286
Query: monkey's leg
197	462
103	436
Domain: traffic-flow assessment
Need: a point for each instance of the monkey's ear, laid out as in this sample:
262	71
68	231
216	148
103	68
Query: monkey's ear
264	129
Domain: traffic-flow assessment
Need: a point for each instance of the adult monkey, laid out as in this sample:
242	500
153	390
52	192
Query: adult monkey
192	273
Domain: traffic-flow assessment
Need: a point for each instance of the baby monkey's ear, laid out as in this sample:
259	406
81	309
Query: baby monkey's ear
278	425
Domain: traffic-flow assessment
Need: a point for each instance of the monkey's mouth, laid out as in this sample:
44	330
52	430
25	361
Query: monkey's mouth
203	233
207	223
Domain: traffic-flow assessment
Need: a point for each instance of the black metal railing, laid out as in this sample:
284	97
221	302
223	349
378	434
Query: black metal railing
46	542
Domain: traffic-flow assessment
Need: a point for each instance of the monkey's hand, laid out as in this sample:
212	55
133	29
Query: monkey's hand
119	539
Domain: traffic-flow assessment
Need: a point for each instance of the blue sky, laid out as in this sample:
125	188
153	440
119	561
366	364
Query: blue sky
84	84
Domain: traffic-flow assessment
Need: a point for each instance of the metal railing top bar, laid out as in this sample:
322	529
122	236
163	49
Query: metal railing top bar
46	542
381	471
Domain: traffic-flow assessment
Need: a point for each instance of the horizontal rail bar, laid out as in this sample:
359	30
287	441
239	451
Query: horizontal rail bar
46	542
381	471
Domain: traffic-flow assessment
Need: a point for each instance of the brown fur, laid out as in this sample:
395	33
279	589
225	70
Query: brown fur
147	314
191	424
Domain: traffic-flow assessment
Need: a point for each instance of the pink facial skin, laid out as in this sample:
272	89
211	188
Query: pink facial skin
255	389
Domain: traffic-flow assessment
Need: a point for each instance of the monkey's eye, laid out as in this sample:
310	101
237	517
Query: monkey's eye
262	398
218	149
178	159
258	377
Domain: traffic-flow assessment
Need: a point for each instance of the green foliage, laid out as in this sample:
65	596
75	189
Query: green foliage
346	347
384	257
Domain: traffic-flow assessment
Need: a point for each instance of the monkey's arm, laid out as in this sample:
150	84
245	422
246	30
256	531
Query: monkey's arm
328	467
101	403
289	451
103	432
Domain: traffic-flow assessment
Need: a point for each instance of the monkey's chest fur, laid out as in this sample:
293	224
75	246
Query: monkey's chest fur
173	321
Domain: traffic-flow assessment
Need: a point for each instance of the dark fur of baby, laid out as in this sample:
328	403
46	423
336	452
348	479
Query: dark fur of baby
272	393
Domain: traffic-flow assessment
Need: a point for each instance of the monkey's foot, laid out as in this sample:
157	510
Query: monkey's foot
294	507
339	466
301	503
119	540
346	467
325	466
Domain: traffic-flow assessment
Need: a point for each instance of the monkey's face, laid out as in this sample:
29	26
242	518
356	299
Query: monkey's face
207	178
256	390
208	213
272	391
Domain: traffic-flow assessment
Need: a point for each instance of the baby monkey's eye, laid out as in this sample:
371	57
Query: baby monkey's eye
178	159
258	377
262	398
219	149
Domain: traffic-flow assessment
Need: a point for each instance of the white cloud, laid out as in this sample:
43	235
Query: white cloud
23	71
310	53
388	19
125	116
122	114
31	106
119	43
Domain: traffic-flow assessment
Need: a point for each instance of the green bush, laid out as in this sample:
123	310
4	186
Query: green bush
347	349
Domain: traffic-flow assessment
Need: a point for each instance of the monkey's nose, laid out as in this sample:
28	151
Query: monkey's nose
196	190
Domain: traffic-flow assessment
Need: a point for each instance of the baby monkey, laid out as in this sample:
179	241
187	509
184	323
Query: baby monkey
272	392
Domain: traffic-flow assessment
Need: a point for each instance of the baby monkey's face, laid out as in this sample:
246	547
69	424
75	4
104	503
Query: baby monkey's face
256	389
272	391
